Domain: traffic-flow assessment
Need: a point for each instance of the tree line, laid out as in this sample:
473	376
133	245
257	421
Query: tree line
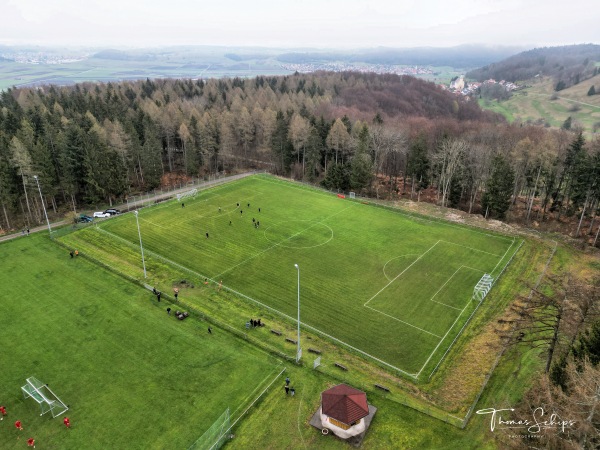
382	135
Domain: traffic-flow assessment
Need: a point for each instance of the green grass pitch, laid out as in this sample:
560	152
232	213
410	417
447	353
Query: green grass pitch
395	287
133	376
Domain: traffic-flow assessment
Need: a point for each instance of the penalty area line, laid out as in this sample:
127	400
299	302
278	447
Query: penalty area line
397	276
402	321
442	339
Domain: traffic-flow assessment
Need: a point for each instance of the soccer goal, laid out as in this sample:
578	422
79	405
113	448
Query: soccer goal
187	194
43	395
482	287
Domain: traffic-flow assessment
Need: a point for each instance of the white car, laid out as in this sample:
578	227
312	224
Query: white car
101	214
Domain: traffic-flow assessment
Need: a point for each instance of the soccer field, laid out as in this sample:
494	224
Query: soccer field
133	376
395	287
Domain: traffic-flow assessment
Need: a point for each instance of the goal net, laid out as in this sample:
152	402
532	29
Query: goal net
215	436
482	287
187	194
43	395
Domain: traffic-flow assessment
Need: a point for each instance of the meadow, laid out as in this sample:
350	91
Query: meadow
132	375
394	287
539	103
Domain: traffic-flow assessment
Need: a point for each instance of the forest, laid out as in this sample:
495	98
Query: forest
384	136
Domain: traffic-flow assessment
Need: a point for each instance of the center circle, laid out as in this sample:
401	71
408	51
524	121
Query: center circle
299	234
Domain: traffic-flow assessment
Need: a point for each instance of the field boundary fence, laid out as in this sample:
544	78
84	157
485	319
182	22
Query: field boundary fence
154	197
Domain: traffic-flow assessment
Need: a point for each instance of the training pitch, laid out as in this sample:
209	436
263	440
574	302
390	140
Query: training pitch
132	375
396	287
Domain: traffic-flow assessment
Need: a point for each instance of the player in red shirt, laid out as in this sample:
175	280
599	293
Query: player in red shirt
3	412
18	425
67	422
31	442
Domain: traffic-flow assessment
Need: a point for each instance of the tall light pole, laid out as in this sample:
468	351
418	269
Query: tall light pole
299	353
43	206
141	246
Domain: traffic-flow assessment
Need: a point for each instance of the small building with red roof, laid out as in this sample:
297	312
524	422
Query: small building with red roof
343	409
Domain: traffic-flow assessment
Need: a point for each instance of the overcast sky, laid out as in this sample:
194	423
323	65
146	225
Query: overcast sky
300	23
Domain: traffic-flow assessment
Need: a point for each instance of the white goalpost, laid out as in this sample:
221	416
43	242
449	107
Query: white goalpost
43	395
482	287
187	194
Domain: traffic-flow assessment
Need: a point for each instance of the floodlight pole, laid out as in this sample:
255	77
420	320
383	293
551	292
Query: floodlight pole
43	205
298	353
141	246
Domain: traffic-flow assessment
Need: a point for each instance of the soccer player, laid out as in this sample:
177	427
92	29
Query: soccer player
209	330
3	412
31	442
67	422
241	212
207	235
18	425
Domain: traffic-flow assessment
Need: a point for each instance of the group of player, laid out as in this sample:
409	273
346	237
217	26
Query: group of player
255	222
19	425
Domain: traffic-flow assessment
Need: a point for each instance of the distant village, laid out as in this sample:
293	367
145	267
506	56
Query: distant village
358	67
459	86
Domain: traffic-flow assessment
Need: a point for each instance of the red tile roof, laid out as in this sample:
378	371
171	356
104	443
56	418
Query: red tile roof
344	403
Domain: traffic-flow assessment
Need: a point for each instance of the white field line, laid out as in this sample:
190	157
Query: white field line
322	333
442	339
279	243
276	311
402	321
442	287
472	314
396	277
499	261
370	202
471	248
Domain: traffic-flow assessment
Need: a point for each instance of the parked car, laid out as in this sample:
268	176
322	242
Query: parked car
101	214
84	219
112	211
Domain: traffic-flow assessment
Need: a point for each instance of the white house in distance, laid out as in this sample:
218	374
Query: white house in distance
342	411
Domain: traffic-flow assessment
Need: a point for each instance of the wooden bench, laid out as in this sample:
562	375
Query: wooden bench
278	333
291	340
383	388
314	350
341	366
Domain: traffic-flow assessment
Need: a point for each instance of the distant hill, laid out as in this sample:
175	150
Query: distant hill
568	64
464	56
119	55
